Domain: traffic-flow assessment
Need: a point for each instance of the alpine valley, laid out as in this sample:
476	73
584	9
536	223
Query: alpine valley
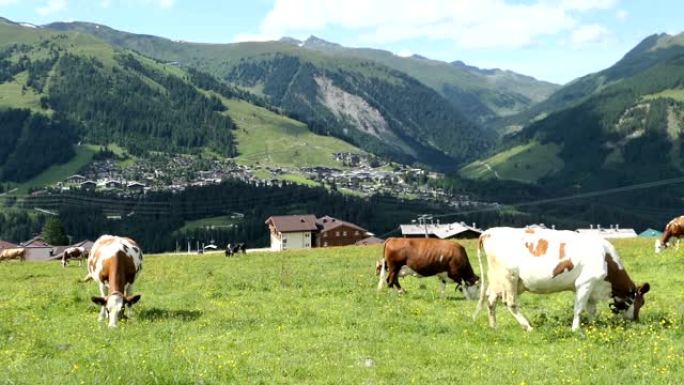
287	119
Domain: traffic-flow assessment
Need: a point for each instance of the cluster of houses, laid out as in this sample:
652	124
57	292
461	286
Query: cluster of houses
361	174
307	231
39	250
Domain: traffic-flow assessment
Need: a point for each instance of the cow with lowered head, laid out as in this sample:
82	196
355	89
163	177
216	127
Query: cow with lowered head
426	257
114	263
673	229
548	261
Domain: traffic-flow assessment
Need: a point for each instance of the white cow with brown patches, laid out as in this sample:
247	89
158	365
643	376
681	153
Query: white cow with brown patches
114	263
673	230
549	261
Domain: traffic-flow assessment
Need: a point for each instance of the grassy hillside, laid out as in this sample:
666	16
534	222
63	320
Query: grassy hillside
58	172
315	317
523	163
269	139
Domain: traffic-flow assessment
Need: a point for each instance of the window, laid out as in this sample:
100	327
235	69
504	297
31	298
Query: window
344	233
306	235
325	244
337	233
356	232
325	235
306	244
284	241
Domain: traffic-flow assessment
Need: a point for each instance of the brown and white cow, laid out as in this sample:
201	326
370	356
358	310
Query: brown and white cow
549	261
114	263
426	257
79	253
9	254
673	229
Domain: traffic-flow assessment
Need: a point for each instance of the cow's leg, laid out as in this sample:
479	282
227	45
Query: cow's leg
383	275
514	309
492	298
103	309
393	277
583	292
511	299
443	280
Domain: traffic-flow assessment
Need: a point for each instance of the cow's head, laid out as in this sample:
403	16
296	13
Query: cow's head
471	289
115	305
659	246
630	306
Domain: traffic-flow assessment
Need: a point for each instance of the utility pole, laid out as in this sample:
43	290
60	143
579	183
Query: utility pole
422	221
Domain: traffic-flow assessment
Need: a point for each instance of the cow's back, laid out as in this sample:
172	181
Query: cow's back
109	247
425	256
544	260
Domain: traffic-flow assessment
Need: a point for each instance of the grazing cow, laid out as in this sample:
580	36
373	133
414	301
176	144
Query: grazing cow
549	261
673	229
9	254
114	262
231	250
427	257
69	253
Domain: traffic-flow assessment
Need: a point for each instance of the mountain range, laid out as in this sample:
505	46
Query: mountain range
621	125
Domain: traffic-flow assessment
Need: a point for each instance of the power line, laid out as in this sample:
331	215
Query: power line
634	187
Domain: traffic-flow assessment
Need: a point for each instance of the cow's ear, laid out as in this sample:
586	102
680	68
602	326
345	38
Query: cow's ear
99	300
644	288
131	300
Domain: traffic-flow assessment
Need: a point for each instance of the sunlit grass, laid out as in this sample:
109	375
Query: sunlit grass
315	317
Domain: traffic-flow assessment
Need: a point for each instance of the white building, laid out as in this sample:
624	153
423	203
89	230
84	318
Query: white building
441	231
613	232
292	231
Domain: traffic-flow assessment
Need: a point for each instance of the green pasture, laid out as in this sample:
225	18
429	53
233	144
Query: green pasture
315	317
523	163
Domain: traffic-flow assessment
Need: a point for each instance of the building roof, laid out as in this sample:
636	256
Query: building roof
36	241
651	233
293	223
610	232
370	241
442	231
6	245
328	223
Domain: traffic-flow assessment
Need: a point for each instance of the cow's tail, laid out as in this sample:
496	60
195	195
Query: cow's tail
383	268
483	285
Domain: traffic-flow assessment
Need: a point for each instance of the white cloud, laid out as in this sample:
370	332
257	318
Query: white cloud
469	23
51	7
589	34
404	53
622	15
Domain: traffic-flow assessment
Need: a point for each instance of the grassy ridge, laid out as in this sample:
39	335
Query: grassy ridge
59	172
315	317
268	139
523	163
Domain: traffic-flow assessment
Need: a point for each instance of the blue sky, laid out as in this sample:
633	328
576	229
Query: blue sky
555	40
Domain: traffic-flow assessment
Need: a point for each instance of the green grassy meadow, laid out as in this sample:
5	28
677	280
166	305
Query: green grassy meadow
315	317
523	163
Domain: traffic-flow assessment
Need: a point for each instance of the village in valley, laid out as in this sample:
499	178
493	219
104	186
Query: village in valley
357	174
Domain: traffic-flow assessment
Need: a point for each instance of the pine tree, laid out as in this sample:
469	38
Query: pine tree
54	233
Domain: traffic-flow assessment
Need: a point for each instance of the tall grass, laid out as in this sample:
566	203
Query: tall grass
314	317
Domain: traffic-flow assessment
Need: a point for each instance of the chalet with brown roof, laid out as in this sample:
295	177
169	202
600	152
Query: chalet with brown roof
305	231
6	245
292	231
336	232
